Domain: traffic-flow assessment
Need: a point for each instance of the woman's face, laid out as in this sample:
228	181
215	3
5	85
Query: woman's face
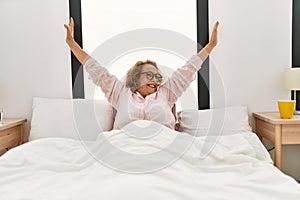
149	80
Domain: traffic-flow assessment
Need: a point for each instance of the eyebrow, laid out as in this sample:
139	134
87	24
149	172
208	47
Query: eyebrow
151	72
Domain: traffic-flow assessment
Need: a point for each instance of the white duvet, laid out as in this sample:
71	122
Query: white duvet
144	162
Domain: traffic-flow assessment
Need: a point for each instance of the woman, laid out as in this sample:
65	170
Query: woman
142	96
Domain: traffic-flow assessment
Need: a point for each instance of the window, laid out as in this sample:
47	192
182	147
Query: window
103	21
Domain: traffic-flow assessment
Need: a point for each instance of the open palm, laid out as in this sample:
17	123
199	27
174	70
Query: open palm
70	30
214	35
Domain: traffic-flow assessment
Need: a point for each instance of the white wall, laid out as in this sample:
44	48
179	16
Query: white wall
34	58
254	48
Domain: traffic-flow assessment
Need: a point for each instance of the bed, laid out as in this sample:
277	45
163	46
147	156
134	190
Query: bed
74	154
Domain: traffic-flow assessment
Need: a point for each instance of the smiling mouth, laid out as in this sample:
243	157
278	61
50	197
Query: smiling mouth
154	86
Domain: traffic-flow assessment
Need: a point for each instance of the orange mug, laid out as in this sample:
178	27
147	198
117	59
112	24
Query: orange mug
286	108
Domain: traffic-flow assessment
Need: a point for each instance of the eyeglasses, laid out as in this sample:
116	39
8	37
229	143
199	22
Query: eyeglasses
150	75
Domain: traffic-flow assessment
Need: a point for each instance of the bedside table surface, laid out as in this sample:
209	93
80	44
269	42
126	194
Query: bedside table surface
274	118
269	125
7	123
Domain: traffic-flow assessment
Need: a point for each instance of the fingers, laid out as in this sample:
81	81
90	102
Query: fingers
214	35
66	26
216	25
71	23
70	27
69	31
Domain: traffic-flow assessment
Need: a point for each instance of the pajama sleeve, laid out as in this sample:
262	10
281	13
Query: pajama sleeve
181	78
110	84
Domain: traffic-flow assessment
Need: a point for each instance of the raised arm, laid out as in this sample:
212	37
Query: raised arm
183	76
75	48
204	52
109	83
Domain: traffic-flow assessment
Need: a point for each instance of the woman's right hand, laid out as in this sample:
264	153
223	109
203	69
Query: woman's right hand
69	31
79	53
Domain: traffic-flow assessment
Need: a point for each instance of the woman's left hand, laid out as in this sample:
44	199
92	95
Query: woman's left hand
203	53
214	35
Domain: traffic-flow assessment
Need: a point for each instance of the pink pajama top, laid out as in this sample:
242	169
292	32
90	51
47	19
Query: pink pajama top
131	106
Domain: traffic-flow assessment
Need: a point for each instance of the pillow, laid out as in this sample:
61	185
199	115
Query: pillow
70	118
218	121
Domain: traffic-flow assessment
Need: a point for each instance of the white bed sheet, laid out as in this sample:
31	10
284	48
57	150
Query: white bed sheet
58	168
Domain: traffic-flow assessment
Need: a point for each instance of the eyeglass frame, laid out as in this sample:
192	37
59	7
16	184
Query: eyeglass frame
159	79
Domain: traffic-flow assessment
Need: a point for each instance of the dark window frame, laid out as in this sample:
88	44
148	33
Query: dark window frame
296	43
76	67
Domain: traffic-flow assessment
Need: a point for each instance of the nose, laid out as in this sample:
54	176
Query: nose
156	80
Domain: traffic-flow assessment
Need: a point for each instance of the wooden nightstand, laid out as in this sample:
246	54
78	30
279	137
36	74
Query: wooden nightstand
269	125
11	133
